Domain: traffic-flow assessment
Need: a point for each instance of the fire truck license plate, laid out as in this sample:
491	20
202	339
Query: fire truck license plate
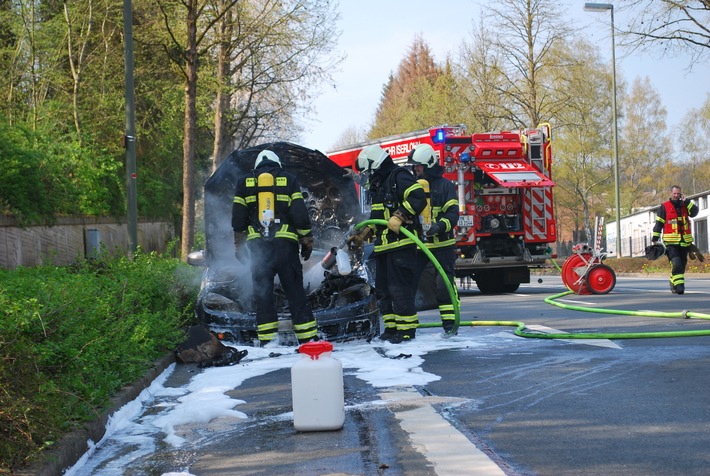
465	221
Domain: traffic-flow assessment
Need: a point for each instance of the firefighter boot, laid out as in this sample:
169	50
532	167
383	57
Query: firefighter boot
388	334
404	336
680	288
448	326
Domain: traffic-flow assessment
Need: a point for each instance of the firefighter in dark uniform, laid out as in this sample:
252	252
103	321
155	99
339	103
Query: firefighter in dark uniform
397	198
438	222
673	222
270	217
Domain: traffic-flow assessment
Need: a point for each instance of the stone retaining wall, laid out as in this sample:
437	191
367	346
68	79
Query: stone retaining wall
71	238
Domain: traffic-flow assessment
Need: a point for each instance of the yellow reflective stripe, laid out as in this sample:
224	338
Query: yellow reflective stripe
441	244
240	201
250	199
378	206
415	186
297	195
269	326
405	323
303	232
283	198
393	245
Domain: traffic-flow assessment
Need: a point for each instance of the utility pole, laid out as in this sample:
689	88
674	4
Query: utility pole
129	139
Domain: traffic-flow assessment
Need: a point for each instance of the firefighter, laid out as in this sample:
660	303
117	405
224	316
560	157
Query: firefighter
270	217
673	222
397	198
438	221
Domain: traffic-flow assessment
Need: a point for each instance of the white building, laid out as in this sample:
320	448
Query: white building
636	228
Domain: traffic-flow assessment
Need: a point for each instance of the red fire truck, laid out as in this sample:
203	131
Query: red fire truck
506	217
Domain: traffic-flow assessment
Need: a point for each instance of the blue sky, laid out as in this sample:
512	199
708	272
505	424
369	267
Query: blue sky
377	34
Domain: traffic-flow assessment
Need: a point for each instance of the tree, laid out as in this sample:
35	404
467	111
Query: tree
400	102
269	57
274	42
527	34
675	26
693	135
481	79
582	144
643	146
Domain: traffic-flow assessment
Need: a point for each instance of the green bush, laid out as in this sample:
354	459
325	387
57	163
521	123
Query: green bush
71	337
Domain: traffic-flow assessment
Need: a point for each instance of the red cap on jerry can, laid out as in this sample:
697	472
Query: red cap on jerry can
315	349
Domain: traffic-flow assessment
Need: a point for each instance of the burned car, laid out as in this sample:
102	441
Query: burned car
338	285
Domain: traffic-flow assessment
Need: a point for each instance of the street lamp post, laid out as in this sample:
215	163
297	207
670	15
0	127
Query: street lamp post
602	7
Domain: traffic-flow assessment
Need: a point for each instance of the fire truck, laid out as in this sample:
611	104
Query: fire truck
506	218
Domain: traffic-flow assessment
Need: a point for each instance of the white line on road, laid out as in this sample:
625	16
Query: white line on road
434	437
595	342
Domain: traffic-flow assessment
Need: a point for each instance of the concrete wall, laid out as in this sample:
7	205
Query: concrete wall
72	238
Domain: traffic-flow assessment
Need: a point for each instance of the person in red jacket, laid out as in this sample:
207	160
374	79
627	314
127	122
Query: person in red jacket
673	225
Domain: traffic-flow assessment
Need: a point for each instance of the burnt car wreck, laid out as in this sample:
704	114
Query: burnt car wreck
340	292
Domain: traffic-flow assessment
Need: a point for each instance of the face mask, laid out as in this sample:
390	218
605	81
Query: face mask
363	179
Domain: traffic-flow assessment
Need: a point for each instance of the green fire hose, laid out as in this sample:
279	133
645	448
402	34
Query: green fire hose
520	328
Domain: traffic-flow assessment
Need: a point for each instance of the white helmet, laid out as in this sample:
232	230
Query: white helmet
267	155
370	158
423	154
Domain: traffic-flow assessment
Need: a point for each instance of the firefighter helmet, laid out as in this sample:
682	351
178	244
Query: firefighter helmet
422	154
655	251
267	155
370	158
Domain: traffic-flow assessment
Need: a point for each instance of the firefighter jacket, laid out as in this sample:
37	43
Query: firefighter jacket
393	188
444	207
673	219
290	220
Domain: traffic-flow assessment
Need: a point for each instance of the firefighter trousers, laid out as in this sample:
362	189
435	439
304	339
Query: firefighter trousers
425	270
395	289
678	257
269	259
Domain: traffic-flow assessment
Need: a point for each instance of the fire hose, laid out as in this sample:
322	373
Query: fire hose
520	327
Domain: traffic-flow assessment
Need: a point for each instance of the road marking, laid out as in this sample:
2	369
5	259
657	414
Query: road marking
595	342
434	437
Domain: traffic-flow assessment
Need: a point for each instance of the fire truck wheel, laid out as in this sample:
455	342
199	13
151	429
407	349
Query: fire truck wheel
490	281
571	277
510	288
600	279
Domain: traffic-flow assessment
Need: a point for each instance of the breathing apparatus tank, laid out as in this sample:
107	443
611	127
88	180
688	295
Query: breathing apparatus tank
425	215
267	202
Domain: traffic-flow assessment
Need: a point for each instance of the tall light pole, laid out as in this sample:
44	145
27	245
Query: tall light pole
602	7
130	136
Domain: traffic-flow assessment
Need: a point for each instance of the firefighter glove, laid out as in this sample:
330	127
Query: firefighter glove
695	254
240	239
396	220
306	246
356	241
434	229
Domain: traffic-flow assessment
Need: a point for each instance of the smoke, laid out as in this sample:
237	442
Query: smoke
330	197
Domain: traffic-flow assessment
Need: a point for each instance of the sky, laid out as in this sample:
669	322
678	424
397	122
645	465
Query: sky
376	35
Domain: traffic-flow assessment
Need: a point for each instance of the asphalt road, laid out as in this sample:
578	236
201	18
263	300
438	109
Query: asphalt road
512	405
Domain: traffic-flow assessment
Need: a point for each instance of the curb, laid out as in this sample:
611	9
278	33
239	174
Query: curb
71	447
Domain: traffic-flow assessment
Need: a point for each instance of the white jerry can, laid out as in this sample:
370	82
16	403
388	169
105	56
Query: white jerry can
317	389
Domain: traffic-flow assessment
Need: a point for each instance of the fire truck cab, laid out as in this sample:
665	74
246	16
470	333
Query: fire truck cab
504	182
